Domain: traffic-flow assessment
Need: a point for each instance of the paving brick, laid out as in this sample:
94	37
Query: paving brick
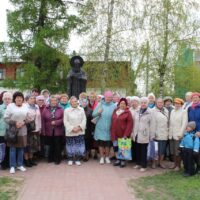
90	181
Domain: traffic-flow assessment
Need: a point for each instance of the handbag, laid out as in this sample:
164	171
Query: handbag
124	149
2	151
11	134
95	119
31	126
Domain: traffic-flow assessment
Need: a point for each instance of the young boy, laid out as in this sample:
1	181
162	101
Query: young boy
190	147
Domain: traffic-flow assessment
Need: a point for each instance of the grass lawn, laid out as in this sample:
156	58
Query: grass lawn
9	188
168	186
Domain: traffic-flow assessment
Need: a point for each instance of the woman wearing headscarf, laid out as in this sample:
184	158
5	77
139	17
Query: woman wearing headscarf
33	131
177	126
52	129
121	126
161	118
7	99
143	133
75	124
135	106
89	128
41	105
102	134
152	154
16	115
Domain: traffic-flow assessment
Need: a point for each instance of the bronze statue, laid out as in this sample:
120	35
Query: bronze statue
76	78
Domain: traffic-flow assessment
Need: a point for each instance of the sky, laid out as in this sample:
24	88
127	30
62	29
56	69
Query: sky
74	44
3	24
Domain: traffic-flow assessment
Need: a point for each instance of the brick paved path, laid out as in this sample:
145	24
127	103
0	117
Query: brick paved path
90	181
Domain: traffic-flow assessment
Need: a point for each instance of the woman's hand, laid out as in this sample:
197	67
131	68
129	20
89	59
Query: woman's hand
76	129
100	110
19	124
198	134
53	123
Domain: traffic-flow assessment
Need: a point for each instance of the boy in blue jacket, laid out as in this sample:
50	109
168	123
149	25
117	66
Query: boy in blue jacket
190	147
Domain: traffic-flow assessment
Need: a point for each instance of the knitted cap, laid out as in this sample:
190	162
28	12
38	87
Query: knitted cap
192	125
168	98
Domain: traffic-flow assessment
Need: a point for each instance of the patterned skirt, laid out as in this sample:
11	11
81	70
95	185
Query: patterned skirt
75	146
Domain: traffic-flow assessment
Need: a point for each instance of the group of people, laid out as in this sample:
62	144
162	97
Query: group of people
54	126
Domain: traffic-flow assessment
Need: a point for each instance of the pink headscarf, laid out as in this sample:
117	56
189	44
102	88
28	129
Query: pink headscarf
108	94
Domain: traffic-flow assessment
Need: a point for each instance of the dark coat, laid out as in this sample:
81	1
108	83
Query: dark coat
121	125
47	128
194	115
89	125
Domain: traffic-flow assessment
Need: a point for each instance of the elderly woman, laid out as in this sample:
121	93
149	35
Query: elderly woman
188	100
135	105
102	130
177	126
75	124
16	115
41	104
121	126
92	100
46	94
64	101
152	100
143	132
33	131
152	150
161	118
194	115
52	129
7	99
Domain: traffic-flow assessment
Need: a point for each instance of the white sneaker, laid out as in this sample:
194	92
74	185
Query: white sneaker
143	169
70	162
21	168
107	160
101	161
12	170
78	163
136	167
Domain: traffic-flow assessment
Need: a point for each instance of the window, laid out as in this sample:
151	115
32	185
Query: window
2	74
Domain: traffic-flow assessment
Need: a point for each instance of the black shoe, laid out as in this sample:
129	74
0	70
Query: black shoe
186	174
57	162
95	156
27	163
32	162
122	164
116	163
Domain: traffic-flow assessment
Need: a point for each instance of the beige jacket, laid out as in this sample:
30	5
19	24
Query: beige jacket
74	117
144	127
161	123
178	123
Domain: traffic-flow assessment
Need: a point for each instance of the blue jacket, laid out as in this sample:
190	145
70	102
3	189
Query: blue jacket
190	141
103	125
3	124
194	115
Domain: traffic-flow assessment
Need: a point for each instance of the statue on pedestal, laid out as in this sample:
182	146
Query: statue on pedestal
76	78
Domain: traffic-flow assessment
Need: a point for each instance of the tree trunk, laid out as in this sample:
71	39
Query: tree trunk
107	45
163	66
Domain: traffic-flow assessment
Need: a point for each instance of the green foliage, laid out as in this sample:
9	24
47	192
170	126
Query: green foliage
168	186
187	79
39	33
